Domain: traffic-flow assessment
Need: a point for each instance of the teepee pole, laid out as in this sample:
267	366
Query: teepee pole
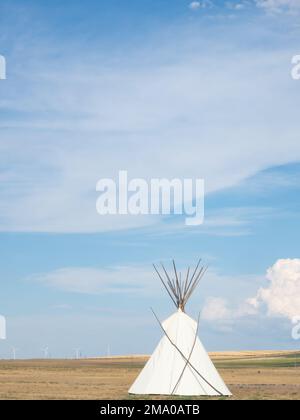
165	285
176	277
186	283
175	271
196	282
192	278
180	290
173	288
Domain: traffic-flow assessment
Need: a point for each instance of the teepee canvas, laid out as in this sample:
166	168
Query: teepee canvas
180	365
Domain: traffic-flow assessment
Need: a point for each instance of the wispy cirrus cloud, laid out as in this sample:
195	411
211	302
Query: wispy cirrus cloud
279	6
204	4
157	111
237	5
96	281
134	279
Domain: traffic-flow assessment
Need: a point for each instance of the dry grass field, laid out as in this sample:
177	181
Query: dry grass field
249	375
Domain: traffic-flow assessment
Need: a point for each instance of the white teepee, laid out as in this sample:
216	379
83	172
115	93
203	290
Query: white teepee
180	365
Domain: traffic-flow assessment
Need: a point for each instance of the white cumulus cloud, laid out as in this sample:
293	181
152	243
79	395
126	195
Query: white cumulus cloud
219	309
282	296
215	308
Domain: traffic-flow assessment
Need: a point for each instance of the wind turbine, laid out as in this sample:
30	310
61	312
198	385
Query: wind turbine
45	350
77	353
14	352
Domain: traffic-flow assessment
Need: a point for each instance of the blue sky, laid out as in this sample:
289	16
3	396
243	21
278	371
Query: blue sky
161	89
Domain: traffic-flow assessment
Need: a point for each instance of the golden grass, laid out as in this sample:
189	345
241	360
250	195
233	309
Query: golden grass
249	375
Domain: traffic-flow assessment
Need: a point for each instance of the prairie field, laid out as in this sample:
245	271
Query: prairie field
250	375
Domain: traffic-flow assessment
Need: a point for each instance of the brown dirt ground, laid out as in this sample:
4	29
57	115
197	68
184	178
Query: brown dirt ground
249	375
